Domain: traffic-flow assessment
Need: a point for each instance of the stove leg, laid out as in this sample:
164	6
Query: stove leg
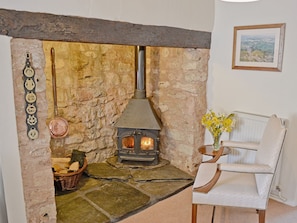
119	159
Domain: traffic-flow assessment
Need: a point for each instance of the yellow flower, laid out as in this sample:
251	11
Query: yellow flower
218	123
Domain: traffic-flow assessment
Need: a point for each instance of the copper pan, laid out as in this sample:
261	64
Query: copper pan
58	126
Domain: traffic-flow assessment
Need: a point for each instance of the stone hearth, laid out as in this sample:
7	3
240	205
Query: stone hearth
112	192
176	85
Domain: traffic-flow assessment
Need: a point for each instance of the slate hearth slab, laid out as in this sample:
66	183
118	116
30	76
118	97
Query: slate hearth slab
161	190
162	172
78	210
99	201
118	199
106	171
165	173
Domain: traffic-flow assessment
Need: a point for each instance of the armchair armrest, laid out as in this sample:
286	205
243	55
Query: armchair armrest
245	168
244	145
207	176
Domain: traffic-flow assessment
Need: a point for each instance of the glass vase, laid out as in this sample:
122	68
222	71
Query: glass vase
216	142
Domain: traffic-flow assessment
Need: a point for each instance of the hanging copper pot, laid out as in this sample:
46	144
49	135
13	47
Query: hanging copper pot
58	126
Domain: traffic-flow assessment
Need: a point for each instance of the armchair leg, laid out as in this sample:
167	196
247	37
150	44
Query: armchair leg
213	214
261	216
194	213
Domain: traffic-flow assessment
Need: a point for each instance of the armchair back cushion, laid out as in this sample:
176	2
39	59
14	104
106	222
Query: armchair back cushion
269	152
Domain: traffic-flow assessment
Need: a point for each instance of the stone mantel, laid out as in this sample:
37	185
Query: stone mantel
44	26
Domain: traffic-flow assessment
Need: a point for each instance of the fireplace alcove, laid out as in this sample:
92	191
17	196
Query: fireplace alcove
184	81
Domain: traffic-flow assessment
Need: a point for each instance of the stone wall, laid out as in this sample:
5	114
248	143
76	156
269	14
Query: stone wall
35	154
177	86
94	84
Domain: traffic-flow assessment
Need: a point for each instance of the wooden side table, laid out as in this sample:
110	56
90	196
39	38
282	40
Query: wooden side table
207	150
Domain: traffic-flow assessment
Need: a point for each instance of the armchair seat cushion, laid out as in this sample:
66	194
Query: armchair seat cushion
232	189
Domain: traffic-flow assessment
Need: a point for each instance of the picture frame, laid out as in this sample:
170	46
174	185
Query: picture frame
258	47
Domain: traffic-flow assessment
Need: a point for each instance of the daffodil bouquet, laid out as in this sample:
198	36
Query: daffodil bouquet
217	124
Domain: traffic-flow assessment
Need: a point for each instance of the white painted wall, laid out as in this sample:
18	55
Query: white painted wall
9	151
3	212
189	14
259	92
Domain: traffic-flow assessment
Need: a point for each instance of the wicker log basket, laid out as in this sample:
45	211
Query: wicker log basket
69	181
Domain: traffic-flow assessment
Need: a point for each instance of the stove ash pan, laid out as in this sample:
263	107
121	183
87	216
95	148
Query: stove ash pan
138	145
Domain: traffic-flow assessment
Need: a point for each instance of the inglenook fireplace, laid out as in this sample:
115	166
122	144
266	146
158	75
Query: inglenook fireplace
177	85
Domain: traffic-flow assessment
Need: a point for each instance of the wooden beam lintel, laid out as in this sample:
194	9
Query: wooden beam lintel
44	26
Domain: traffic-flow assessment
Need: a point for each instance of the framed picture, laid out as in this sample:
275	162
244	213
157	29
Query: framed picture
258	47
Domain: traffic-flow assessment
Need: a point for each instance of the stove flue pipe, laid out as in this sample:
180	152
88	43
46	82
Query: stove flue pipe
140	72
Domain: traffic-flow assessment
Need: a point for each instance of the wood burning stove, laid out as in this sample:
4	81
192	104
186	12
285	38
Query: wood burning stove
138	133
139	126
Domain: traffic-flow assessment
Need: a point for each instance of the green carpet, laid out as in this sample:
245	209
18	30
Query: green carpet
110	192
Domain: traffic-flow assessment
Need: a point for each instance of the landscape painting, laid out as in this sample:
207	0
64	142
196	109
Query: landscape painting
258	47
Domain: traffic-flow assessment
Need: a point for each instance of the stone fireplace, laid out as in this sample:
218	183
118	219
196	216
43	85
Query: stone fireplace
176	85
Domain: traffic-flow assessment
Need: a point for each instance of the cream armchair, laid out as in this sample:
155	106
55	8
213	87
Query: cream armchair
241	185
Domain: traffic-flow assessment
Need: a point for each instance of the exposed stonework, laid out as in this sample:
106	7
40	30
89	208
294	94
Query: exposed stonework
95	83
35	154
177	86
